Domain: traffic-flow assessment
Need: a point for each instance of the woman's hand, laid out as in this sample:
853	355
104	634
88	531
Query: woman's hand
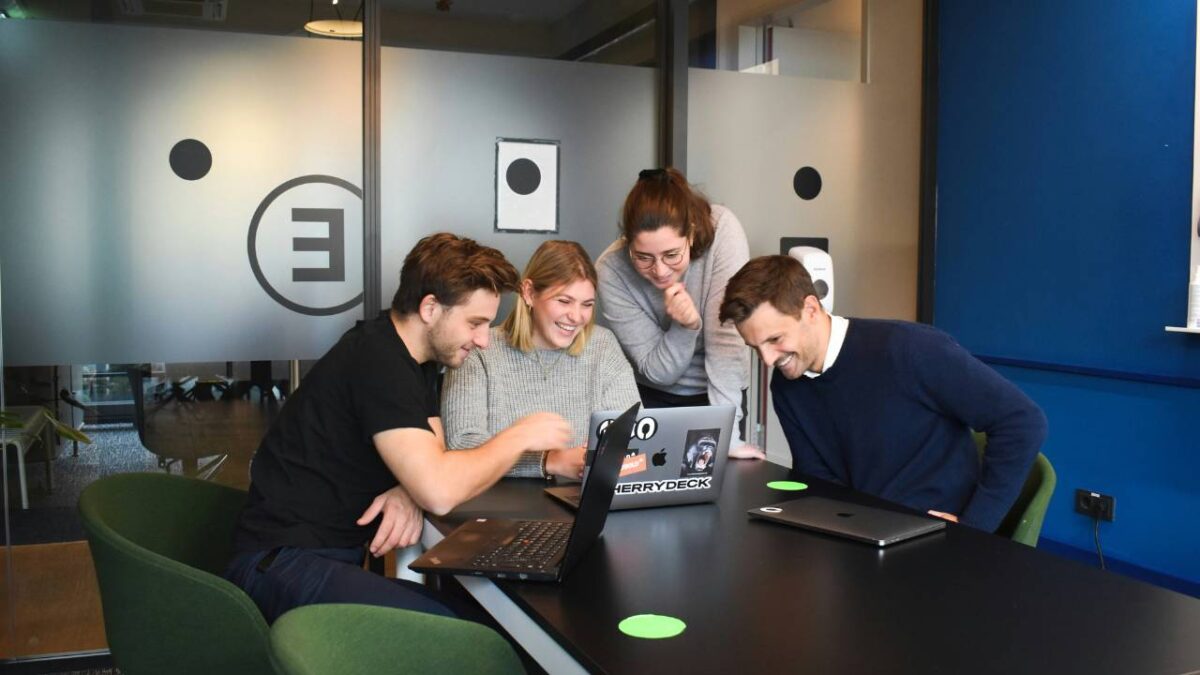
680	307
747	451
566	463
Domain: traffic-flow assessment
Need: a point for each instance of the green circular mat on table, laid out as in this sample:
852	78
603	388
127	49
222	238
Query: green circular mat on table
788	485
651	626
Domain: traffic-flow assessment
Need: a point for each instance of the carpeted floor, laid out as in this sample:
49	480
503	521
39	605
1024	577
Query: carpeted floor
51	516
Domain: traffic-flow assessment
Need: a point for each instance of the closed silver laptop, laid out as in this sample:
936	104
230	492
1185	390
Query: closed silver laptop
879	527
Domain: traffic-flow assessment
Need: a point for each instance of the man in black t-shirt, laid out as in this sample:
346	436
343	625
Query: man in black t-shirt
357	452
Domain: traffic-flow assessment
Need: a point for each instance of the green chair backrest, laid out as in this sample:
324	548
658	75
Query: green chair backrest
334	639
1023	523
159	543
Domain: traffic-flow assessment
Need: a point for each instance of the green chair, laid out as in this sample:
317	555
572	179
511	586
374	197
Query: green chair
1023	523
159	543
349	639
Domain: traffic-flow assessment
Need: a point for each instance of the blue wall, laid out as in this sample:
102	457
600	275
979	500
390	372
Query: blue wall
1064	162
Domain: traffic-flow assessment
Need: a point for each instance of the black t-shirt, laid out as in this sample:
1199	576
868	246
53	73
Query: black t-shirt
317	468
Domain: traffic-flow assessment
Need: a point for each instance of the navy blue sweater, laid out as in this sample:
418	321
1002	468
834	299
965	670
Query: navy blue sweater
893	417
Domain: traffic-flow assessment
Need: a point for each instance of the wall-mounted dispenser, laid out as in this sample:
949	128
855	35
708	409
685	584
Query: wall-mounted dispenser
813	253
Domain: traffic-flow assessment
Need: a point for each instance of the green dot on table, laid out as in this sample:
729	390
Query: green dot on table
789	485
651	626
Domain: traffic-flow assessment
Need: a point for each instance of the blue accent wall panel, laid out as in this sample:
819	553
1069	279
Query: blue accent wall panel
1137	442
1064	160
1064	164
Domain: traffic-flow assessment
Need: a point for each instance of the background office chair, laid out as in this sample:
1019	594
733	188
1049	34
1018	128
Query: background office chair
159	543
1023	523
322	639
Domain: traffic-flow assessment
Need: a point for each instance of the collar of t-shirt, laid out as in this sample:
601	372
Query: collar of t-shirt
837	335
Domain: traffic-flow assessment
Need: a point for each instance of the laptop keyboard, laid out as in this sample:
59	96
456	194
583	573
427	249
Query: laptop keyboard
537	545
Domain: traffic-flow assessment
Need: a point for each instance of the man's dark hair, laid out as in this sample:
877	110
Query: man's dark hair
450	268
778	279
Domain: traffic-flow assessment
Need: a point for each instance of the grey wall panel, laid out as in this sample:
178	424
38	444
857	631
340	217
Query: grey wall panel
442	113
748	134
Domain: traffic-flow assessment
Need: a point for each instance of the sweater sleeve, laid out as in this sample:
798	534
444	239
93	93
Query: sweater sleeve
726	357
661	357
805	457
965	388
464	404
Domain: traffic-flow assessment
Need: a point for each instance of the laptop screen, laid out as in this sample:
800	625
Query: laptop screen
597	494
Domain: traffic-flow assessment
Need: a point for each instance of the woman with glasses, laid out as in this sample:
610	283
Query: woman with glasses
548	355
661	286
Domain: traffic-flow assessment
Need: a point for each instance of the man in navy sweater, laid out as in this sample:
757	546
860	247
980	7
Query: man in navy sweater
885	407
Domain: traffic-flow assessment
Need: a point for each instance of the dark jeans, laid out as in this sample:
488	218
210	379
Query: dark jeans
657	398
299	576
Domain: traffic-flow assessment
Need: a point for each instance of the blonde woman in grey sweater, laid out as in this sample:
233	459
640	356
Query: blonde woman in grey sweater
548	355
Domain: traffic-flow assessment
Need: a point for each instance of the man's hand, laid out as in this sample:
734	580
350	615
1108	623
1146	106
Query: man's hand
401	523
566	463
680	307
540	431
747	451
944	516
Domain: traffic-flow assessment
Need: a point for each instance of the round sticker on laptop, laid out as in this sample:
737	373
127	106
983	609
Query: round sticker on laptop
787	485
651	626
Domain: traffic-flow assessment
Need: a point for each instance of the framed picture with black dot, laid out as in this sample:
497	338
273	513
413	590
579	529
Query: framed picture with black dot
526	185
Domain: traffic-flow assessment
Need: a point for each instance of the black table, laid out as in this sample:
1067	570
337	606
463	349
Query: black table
764	598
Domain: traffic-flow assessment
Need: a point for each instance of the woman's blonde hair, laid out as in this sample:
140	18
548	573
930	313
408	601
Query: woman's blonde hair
555	263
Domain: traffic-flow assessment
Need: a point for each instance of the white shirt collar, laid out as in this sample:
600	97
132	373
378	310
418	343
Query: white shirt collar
837	335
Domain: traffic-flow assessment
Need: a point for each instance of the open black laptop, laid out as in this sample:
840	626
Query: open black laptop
539	550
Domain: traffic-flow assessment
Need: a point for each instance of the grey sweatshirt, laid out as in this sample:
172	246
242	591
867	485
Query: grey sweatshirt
501	384
711	360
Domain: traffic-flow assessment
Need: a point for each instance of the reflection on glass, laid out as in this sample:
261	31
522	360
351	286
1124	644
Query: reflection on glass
618	32
811	38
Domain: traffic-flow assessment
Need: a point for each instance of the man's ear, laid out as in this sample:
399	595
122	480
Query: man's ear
812	306
429	308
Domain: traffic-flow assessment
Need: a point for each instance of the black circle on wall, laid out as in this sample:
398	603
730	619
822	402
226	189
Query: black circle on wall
523	176
190	159
807	183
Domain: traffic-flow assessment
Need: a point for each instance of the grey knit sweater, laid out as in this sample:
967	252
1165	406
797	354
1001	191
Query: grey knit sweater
501	384
711	360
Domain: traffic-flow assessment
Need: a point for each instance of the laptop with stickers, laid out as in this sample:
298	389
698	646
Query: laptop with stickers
675	456
537	550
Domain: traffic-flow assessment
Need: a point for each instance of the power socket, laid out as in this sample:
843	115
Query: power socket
1095	505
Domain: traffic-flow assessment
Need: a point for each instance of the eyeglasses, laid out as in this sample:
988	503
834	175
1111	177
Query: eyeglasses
645	261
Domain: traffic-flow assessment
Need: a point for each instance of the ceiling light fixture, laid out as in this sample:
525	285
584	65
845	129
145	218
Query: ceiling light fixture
336	28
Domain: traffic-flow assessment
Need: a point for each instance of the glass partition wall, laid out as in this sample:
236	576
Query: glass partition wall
181	220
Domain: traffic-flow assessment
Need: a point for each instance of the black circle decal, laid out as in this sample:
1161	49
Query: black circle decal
821	288
807	183
523	176
190	159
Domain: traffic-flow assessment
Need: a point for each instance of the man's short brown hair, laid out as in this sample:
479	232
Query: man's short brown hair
450	268
778	279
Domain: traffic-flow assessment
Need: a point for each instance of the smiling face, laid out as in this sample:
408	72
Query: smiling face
661	256
456	330
559	314
791	344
